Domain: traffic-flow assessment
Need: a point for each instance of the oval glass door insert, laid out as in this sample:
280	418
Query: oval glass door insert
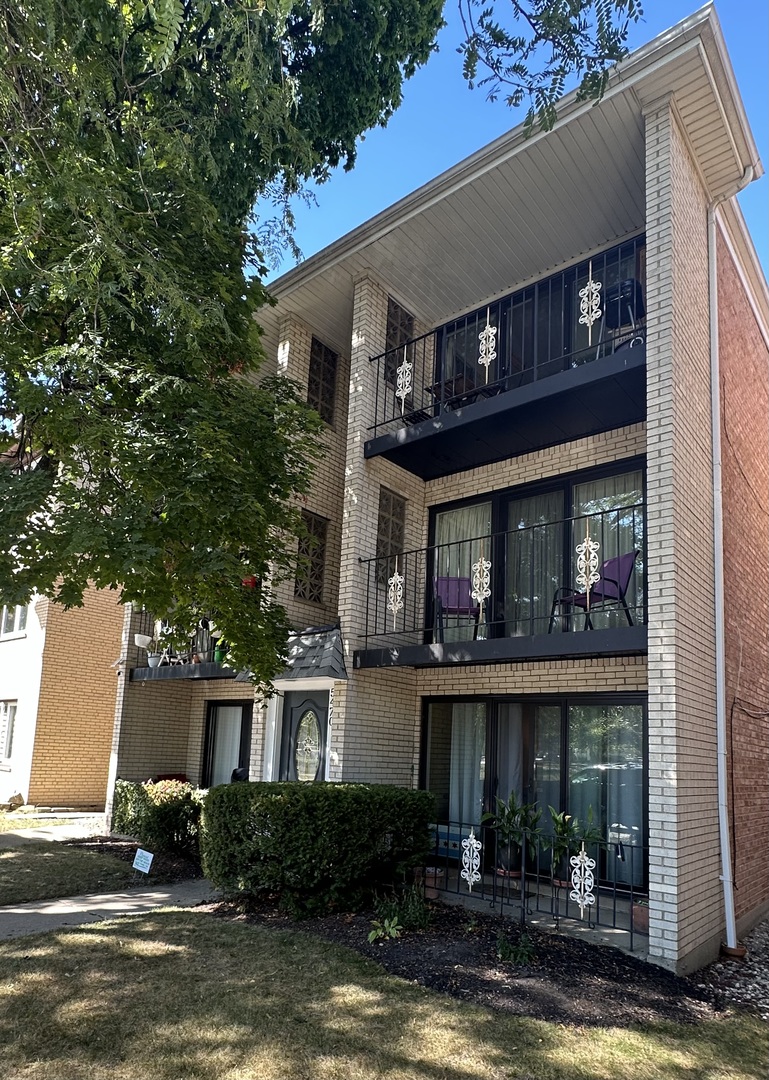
307	752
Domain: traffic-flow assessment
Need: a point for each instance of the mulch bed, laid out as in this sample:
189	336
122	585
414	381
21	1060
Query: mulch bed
166	869
566	980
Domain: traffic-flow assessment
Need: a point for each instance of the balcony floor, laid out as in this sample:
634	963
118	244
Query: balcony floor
599	396
625	641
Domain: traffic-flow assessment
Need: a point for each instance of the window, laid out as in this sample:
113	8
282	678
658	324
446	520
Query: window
390	534
14	619
321	386
530	536
312	559
400	330
478	749
7	720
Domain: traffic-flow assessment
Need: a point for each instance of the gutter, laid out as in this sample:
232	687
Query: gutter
718	563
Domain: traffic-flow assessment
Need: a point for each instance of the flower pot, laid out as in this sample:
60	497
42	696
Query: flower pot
220	655
433	879
153	659
640	918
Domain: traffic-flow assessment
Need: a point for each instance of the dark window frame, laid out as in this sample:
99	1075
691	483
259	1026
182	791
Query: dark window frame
246	726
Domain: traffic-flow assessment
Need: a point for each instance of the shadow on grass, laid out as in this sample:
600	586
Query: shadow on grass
180	994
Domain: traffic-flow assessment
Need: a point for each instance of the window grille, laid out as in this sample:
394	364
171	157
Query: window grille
321	386
312	559
390	535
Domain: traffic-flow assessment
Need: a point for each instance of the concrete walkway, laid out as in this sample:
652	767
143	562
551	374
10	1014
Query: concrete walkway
17	920
41	915
77	826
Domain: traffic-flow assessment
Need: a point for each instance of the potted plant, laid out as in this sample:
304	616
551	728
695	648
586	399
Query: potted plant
567	839
517	826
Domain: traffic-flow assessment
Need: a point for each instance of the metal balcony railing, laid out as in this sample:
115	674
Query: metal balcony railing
563	322
519	583
468	863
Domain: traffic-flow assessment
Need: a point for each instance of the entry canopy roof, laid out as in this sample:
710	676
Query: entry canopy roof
519	207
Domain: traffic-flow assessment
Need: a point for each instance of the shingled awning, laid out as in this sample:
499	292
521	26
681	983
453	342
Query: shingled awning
314	653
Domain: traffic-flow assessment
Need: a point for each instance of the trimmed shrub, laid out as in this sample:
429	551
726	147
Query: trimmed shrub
318	847
164	816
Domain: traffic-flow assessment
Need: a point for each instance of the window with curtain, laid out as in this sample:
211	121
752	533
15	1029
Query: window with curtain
534	562
462	538
611	510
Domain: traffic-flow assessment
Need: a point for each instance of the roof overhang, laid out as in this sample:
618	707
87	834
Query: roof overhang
520	208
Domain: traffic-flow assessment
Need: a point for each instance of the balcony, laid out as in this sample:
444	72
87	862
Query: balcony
558	360
514	595
163	662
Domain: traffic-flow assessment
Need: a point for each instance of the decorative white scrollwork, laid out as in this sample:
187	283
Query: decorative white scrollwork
582	881
395	593
590	303
481	580
488	340
587	564
471	860
403	381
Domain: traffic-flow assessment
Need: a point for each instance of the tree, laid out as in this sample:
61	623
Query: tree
140	451
549	42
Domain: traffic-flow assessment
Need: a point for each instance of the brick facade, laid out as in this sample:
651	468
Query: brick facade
744	369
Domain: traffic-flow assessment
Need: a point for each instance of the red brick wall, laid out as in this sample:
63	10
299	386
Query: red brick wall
744	370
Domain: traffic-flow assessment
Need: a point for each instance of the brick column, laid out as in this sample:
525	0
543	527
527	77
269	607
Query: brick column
685	898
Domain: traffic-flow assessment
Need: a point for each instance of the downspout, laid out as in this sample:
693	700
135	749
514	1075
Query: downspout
718	568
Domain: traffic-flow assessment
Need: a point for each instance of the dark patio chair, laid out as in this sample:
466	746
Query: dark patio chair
452	597
609	589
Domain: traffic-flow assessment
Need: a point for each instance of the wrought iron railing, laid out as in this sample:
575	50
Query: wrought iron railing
518	583
572	318
151	635
598	884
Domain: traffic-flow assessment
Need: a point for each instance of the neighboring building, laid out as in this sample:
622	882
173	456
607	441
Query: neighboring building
57	700
503	409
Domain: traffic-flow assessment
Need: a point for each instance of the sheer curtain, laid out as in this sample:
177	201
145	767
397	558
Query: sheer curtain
611	508
226	755
461	537
510	771
468	763
534	562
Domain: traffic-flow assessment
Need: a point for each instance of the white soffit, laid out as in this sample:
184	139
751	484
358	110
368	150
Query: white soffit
518	209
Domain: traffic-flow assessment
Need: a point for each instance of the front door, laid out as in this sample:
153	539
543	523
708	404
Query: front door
304	741
228	740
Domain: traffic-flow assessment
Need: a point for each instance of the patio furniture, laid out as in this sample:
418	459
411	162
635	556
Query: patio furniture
610	588
452	597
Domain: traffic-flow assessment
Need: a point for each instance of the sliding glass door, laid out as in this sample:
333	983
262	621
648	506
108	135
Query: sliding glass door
582	756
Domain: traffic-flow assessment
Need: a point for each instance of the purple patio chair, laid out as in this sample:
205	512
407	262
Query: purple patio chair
609	589
452	597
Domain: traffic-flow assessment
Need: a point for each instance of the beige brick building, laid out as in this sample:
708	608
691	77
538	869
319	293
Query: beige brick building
58	688
560	342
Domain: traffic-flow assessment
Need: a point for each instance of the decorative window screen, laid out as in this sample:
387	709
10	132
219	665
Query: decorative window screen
312	559
400	330
321	386
7	720
390	533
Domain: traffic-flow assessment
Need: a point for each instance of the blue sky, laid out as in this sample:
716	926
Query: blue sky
441	121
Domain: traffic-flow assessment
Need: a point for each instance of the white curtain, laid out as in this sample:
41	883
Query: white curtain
534	562
468	763
616	521
226	755
510	752
461	537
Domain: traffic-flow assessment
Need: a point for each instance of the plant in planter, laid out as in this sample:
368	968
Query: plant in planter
517	827
567	839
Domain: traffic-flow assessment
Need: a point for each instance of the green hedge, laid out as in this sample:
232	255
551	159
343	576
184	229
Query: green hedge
164	816
317	847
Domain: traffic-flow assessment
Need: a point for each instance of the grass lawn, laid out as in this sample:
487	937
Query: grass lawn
41	871
181	995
